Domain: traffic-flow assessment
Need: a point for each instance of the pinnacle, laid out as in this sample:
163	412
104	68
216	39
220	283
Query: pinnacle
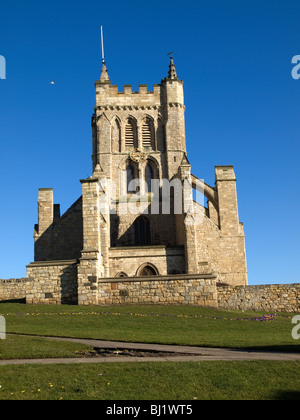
104	78
172	70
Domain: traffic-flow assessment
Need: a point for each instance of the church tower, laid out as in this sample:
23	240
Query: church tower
137	217
138	143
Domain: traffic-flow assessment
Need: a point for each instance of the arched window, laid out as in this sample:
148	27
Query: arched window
142	231
130	179
116	136
130	134
148	177
148	133
161	141
147	270
121	274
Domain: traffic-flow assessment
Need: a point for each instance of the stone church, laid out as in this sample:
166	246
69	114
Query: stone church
136	234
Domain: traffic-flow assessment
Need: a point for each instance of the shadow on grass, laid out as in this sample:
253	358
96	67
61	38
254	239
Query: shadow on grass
287	396
23	301
281	348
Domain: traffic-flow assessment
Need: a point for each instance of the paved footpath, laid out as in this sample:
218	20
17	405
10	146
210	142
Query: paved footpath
187	354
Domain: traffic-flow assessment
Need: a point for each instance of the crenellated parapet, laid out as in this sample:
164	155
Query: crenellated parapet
110	95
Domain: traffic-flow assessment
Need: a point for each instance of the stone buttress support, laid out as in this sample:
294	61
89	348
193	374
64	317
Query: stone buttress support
232	232
227	198
189	221
94	259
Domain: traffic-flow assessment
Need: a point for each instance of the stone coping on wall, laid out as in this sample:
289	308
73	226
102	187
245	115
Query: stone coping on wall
257	286
171	277
147	247
51	263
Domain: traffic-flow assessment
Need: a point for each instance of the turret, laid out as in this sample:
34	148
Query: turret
175	126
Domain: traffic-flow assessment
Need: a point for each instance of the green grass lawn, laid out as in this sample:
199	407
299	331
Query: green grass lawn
253	380
19	347
146	381
154	324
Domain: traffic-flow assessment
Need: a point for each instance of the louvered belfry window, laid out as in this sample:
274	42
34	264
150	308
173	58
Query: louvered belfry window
147	133
130	133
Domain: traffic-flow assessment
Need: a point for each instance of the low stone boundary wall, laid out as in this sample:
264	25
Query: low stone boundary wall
176	289
12	289
52	282
271	298
56	283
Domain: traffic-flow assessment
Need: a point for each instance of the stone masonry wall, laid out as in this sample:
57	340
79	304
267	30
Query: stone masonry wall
129	260
62	239
275	298
12	289
52	283
57	283
184	290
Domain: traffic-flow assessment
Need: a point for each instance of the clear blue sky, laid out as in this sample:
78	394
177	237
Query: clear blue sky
242	107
